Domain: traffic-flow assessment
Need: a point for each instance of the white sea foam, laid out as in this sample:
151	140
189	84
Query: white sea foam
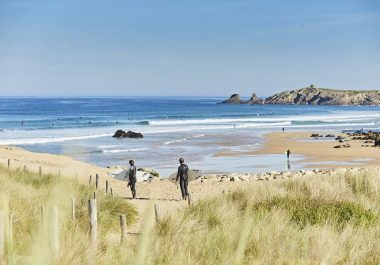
176	141
27	141
350	116
108	146
184	139
350	125
124	150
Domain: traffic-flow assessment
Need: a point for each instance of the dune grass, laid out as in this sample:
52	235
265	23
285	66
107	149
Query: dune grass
23	194
309	220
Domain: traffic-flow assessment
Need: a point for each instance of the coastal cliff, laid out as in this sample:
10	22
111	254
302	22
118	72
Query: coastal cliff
314	96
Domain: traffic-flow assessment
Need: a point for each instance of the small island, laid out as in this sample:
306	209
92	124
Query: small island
314	96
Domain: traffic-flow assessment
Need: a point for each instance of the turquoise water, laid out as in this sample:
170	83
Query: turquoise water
193	128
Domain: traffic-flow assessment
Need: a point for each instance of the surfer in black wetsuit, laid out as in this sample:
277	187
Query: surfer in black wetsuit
132	178
183	178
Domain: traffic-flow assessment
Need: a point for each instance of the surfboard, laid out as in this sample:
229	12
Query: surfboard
193	174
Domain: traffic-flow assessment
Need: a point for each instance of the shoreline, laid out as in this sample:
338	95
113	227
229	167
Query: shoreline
165	193
316	153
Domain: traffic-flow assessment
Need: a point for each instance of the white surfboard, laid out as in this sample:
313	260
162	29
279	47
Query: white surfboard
123	175
193	174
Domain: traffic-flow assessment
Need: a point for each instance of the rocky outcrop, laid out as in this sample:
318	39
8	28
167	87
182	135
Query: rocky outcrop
255	100
319	96
129	134
235	99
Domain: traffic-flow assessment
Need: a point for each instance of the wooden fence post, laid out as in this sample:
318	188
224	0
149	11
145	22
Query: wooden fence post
157	212
90	180
2	235
111	192
9	164
43	223
53	231
93	220
96	181
94	197
107	184
40	171
72	208
123	228
11	231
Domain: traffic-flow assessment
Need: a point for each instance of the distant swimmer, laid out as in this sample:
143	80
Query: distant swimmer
183	178
288	153
283	129
132	178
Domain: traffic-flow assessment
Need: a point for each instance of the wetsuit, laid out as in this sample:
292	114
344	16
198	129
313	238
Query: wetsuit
132	180
183	179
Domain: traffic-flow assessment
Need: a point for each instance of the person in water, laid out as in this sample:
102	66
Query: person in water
132	178
183	178
288	153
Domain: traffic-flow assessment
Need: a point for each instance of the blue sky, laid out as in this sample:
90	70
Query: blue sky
190	48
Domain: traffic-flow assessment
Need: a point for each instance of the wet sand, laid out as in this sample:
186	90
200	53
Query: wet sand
316	152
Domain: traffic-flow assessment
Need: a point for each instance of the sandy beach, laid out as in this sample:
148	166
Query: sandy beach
319	153
316	152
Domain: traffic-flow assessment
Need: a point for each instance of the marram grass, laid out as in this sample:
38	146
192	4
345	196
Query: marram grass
318	219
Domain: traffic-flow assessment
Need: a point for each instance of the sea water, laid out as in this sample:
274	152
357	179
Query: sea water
193	128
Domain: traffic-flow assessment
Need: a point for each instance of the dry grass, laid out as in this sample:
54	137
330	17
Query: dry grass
22	196
310	220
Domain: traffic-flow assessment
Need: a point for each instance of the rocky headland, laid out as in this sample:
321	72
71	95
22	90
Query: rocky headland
314	96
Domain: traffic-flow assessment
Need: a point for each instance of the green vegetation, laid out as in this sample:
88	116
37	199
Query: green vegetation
24	193
309	220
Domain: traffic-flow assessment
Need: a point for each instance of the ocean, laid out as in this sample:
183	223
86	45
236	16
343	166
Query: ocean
193	128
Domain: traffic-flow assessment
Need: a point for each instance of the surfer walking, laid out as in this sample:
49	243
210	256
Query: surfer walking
132	178
182	175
